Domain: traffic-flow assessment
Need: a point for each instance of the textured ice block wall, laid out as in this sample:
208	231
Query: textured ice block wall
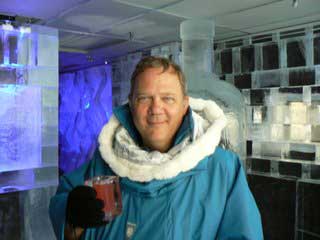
278	74
122	69
171	51
85	106
20	127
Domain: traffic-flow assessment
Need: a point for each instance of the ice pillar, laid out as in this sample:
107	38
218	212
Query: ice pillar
197	61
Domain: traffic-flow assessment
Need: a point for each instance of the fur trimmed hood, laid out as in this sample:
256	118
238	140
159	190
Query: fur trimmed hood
209	121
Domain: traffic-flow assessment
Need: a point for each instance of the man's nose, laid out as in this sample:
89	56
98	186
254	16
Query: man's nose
156	105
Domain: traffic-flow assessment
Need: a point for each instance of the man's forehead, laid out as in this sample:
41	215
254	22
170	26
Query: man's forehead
160	70
164	84
142	92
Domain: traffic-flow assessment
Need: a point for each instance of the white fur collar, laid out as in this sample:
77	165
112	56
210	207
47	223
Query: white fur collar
187	159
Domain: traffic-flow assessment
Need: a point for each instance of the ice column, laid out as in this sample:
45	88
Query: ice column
197	61
28	130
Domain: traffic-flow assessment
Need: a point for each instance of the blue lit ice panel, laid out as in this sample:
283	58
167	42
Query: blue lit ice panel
20	127
85	105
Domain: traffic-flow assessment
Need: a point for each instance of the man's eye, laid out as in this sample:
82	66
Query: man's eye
168	99
143	99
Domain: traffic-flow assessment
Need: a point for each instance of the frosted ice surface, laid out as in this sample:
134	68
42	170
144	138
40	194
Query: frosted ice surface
12	43
315	94
217	64
279	114
307	95
267	79
315	114
257	132
8	76
258	57
50	116
249	114
259	114
12	76
271	149
315	133
20	124
273	98
236	61
36	215
291	94
298	113
26	44
302	151
256	148
49	97
49	135
45	77
47	54
317	74
279	132
171	51
300	132
246	96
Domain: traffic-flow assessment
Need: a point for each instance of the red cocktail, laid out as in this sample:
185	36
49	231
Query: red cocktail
108	190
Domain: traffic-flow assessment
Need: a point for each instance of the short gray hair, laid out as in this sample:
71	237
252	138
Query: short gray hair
155	62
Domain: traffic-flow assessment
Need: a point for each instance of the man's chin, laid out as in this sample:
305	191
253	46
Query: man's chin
155	142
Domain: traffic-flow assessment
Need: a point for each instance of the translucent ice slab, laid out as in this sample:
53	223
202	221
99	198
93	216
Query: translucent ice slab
302	152
20	127
315	114
298	113
269	149
301	133
279	114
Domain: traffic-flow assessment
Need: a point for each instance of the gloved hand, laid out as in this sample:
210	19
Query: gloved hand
84	209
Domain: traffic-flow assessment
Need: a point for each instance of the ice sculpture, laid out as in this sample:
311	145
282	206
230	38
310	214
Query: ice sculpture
28	129
29	110
197	50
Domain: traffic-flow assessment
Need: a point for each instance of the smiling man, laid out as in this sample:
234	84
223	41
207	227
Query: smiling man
176	182
158	104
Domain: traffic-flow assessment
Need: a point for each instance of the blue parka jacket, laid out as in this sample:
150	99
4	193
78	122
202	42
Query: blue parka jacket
202	200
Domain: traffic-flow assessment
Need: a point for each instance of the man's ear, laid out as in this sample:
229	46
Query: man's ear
130	101
185	103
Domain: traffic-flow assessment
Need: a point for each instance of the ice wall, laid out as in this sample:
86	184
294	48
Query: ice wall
85	106
122	68
279	75
171	51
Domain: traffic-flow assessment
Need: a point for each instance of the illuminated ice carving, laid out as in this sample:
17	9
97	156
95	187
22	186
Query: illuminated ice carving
20	127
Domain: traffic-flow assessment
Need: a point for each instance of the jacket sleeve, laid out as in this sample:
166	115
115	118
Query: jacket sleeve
241	218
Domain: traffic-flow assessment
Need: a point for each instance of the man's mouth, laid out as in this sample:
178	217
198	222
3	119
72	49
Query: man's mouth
156	122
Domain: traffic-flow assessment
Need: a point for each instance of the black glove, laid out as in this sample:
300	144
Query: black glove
84	209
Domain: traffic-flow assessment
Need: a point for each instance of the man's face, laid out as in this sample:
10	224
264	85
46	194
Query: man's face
158	106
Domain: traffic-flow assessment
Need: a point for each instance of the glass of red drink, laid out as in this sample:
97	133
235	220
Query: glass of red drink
108	190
